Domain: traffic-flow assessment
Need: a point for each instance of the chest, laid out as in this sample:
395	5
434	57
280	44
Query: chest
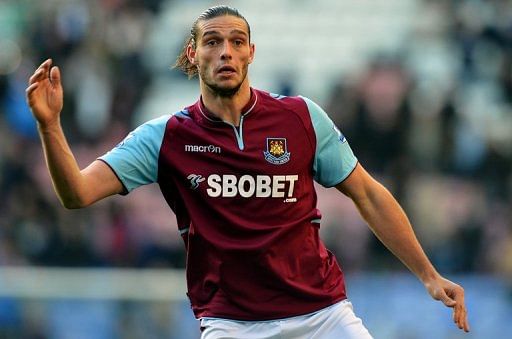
258	146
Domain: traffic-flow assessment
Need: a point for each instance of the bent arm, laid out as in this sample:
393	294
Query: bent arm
390	224
75	188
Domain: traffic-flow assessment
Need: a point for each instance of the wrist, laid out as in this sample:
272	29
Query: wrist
47	126
427	276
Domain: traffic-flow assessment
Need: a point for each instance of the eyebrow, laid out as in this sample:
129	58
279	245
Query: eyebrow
234	31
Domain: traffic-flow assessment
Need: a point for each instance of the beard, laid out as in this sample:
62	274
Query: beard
222	91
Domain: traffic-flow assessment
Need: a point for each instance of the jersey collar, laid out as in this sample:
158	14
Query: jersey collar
207	116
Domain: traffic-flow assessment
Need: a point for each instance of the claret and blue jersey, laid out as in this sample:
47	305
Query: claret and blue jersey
245	202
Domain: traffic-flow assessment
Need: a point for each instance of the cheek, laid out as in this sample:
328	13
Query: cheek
204	63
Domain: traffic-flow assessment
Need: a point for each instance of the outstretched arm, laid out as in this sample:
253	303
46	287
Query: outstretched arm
75	188
390	224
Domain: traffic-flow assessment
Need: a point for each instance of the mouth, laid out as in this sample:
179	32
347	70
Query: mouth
226	70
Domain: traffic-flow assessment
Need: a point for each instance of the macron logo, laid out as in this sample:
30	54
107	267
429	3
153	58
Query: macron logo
202	148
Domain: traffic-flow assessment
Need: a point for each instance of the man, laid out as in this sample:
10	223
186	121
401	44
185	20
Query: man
237	168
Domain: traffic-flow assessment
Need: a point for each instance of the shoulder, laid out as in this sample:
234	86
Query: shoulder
296	104
154	129
157	122
293	112
305	108
283	101
162	123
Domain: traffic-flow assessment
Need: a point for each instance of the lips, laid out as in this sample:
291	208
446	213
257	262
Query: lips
226	69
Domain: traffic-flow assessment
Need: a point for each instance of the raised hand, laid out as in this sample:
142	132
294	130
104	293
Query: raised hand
44	93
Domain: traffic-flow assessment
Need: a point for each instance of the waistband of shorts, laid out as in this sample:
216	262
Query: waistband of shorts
336	304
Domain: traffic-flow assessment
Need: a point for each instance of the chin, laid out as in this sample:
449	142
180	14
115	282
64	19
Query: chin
225	91
223	87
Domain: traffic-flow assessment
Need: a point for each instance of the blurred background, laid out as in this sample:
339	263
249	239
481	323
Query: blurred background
422	89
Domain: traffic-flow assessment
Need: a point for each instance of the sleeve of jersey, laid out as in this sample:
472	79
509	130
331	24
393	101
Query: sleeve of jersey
334	159
135	159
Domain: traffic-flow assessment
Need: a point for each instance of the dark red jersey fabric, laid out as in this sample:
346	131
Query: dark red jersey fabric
246	206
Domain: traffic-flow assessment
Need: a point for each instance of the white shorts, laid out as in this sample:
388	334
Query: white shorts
337	321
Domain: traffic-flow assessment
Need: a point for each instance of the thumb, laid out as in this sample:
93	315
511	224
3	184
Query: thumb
55	76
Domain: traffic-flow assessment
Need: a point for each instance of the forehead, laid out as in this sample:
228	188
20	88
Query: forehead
224	24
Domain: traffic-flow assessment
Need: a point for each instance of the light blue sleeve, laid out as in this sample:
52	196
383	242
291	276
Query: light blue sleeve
334	159
135	159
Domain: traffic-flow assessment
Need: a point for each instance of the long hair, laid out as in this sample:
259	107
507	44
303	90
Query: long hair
182	61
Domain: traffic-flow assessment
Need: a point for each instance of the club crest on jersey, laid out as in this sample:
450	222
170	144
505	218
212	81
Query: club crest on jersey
277	151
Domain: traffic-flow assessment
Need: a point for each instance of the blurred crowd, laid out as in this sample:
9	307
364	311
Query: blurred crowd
432	121
97	45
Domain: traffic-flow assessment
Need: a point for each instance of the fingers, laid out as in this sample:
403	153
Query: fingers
447	300
460	313
45	63
37	76
440	294
452	295
28	93
31	89
55	76
460	317
42	72
45	66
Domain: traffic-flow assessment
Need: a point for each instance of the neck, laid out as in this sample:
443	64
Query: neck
228	109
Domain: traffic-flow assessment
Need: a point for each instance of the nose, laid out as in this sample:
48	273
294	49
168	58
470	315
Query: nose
226	52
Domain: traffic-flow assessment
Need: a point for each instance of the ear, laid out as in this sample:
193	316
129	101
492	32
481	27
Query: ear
251	55
191	54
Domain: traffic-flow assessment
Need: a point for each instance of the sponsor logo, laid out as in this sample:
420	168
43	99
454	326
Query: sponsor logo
203	148
195	180
277	151
247	186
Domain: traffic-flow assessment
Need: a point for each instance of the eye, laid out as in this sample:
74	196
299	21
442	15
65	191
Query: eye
239	42
211	42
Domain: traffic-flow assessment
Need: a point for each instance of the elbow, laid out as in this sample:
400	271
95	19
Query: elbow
73	204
